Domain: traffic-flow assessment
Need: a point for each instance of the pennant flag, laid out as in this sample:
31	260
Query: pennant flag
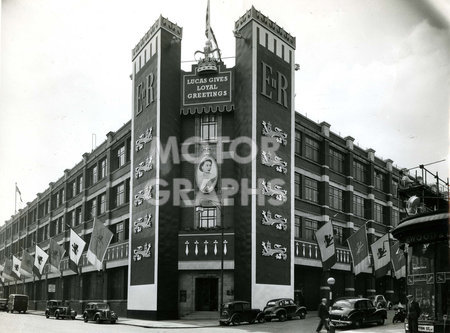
76	248
16	267
209	32
18	192
398	260
381	253
27	264
56	253
7	271
359	251
325	239
40	259
100	239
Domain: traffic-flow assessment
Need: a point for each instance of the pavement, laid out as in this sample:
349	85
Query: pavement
194	323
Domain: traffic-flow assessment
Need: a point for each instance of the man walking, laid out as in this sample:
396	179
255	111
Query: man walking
323	315
413	314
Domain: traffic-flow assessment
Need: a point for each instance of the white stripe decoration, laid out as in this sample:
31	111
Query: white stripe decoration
225	247
187	247
206	247
215	247
196	247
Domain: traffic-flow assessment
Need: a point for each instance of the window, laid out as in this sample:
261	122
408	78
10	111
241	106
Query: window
74	188
378	213
336	161
121	156
298	143
297	185
79	218
94	174
208	127
92	206
297	229
359	171
80	184
335	197
358	205
103	168
338	234
394	188
120	231
311	149
310	229
120	195
73	218
311	190
208	217
102	205
395	217
379	180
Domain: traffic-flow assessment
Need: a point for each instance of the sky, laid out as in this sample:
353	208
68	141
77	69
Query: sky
376	70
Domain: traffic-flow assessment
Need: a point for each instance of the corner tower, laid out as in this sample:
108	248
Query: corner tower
264	262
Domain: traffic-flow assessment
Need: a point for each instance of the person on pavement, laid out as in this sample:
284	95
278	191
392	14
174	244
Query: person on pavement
413	314
323	316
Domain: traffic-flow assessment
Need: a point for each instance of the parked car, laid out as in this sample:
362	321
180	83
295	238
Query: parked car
99	311
379	301
355	311
283	308
4	304
239	311
17	302
59	309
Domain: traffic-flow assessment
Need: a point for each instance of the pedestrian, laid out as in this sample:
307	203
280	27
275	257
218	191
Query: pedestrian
413	314
323	315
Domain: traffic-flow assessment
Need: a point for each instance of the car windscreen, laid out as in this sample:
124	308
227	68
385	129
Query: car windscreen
343	304
103	306
271	303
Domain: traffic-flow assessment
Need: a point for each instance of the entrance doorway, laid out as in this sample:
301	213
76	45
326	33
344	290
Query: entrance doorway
206	294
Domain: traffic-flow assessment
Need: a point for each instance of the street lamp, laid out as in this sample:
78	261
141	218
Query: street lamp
218	205
331	282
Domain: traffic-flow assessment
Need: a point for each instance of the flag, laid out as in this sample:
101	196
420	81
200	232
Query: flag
16	267
26	268
100	239
18	192
325	240
209	32
76	248
2	278
40	259
7	271
55	254
398	261
381	252
359	251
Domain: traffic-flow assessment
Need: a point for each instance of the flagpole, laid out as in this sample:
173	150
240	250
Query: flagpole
15	198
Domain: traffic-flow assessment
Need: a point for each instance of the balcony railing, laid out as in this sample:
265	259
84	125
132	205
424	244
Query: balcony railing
309	250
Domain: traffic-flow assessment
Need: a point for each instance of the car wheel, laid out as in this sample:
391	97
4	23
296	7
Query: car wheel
113	321
261	319
85	318
73	317
281	316
380	322
358	323
57	315
97	319
302	314
268	319
47	315
236	320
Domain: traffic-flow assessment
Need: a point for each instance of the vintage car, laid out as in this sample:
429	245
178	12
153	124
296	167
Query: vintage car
99	312
355	311
17	302
239	311
379	301
4	304
59	309
283	308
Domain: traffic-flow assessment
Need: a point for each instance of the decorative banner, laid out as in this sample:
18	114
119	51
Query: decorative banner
16	263
76	248
40	259
7	270
359	250
100	239
56	253
325	240
381	255
27	264
398	261
206	173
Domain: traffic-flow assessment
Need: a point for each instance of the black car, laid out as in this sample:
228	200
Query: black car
379	301
59	309
99	311
354	311
239	311
283	308
4	304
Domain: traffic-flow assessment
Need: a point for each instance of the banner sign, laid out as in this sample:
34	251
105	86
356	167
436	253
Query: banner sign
208	89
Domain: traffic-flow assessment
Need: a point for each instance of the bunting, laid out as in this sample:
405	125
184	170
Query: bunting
16	263
76	248
325	240
359	251
26	269
40	259
398	260
100	239
381	252
56	253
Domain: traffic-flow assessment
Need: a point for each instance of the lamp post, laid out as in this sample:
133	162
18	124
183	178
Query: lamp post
218	205
331	282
